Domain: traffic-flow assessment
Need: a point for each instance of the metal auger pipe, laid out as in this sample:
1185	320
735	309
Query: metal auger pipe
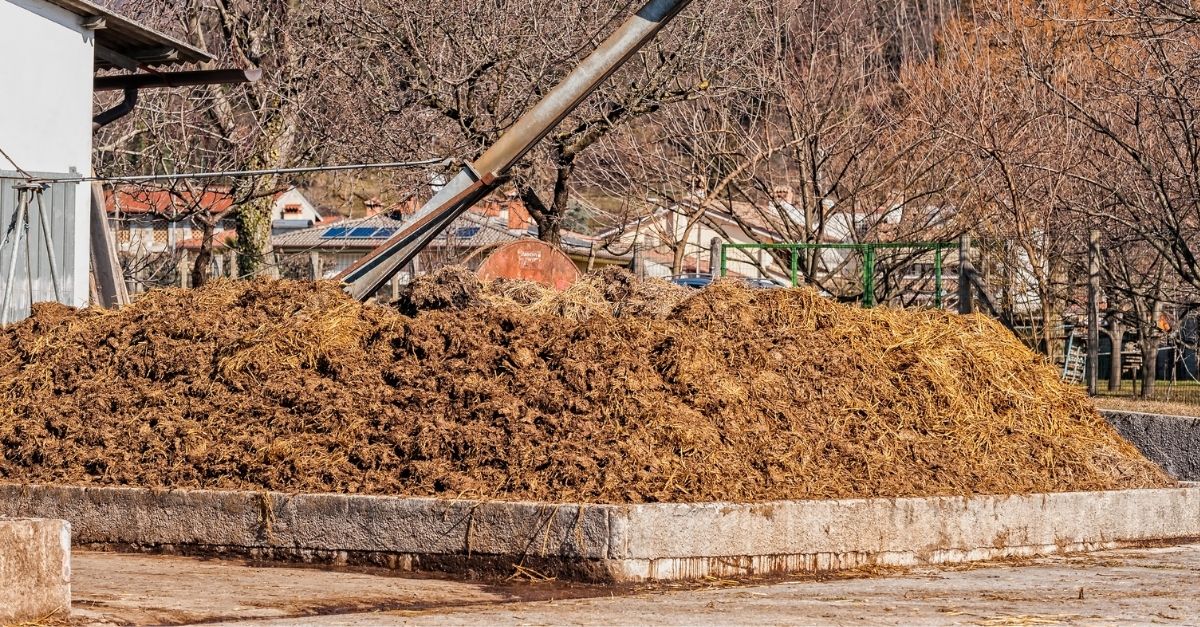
475	181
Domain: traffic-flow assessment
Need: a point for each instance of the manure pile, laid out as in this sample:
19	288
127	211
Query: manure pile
617	391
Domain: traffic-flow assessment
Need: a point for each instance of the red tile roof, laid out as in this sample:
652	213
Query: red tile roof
138	200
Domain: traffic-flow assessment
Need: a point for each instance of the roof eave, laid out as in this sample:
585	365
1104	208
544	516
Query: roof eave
121	41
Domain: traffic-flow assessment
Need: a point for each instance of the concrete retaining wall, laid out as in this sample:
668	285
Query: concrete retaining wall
1172	442
35	570
607	542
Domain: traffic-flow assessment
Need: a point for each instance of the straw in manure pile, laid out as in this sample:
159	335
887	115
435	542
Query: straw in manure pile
616	391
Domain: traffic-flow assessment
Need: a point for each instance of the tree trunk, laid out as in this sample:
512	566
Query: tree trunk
548	221
551	229
200	269
1149	347
255	257
680	252
1116	333
1048	346
254	237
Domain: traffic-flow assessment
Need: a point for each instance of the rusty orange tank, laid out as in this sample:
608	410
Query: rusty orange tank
530	260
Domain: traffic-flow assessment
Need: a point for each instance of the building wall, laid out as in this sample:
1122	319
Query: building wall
657	234
294	197
46	69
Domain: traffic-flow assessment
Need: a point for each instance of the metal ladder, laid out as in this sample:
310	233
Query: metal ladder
1075	365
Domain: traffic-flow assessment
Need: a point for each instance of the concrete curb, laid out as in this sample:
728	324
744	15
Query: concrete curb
35	570
1172	442
608	542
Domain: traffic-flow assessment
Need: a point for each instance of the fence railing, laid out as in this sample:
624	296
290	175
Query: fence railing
869	254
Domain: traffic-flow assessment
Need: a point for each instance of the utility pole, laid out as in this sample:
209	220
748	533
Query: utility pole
965	303
1093	354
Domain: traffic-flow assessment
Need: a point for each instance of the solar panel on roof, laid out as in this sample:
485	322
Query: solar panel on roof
335	233
385	233
465	232
364	232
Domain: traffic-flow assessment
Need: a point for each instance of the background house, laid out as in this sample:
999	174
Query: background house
147	221
324	251
158	234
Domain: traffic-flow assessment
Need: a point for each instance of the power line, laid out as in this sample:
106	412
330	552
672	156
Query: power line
236	173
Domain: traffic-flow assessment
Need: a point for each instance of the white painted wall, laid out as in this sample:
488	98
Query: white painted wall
46	70
665	227
308	211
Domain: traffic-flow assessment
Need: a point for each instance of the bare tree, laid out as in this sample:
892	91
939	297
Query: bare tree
453	76
281	121
811	139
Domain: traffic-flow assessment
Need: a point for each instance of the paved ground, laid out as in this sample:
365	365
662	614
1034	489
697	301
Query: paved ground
1151	586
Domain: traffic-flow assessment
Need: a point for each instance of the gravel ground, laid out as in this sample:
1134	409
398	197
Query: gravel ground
1145	586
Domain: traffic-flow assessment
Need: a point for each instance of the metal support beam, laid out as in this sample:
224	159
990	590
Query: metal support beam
175	79
106	266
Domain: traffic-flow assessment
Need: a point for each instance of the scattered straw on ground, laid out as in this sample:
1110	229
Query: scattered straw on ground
615	391
1137	405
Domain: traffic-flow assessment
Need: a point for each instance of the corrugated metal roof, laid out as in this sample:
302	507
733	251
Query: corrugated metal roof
470	231
126	37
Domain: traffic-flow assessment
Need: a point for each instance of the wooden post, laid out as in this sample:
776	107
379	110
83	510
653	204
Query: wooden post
106	266
314	259
183	269
1093	354
591	264
965	270
714	258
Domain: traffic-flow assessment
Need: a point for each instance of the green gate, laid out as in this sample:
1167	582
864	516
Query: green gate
870	256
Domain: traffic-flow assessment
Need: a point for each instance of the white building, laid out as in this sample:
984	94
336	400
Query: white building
292	206
50	51
664	233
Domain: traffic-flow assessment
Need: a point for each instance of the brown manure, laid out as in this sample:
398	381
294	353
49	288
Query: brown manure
617	391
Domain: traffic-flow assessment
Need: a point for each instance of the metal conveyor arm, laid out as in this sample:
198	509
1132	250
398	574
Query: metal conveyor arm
476	181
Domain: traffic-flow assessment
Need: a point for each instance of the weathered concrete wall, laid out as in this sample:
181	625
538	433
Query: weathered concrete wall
405	534
612	543
666	542
35	570
1172	442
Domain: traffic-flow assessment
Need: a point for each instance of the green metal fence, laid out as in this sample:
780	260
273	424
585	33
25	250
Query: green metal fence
869	254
